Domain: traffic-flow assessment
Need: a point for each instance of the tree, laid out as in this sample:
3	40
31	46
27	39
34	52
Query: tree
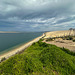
74	31
70	31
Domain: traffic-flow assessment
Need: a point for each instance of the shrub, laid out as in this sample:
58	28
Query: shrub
74	40
67	38
3	59
33	43
41	39
50	39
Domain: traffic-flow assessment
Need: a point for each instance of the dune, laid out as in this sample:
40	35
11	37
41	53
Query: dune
59	33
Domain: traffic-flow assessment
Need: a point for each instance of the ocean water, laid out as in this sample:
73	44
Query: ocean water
12	40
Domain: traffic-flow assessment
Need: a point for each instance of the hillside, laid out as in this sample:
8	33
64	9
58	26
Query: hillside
40	59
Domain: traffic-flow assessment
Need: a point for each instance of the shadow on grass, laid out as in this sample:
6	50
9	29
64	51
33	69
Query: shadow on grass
68	51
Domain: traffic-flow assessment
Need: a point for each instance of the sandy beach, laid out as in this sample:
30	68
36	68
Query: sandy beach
21	48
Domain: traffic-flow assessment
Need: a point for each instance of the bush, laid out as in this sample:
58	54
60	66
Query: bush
42	44
50	39
3	59
41	39
33	43
74	40
68	38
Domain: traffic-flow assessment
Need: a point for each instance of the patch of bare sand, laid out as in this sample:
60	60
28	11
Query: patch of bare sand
69	44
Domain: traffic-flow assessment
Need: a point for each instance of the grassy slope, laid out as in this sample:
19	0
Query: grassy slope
40	59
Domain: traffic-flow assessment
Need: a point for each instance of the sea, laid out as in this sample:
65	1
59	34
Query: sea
9	41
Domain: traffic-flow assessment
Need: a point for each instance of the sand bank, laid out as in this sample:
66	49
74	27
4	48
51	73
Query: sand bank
21	48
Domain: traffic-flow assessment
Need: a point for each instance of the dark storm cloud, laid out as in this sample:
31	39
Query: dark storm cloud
29	15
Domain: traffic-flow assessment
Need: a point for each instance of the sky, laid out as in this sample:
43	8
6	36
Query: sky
37	15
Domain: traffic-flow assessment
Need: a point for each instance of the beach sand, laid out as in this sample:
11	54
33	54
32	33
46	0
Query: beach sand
21	48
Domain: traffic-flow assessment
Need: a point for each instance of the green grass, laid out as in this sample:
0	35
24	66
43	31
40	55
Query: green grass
40	59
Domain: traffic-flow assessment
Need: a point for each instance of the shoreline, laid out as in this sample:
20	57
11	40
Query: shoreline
12	48
15	47
20	48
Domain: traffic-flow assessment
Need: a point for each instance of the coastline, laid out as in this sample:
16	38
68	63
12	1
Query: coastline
20	48
15	47
12	48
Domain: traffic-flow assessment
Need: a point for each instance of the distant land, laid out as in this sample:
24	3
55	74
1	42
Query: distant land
8	32
22	31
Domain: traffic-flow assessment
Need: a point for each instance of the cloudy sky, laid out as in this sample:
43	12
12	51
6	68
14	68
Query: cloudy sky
37	15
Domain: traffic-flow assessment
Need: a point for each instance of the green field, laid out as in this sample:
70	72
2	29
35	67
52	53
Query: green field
40	59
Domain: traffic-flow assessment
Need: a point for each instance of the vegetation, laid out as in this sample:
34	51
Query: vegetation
3	59
64	38
68	51
50	39
68	38
40	59
73	40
